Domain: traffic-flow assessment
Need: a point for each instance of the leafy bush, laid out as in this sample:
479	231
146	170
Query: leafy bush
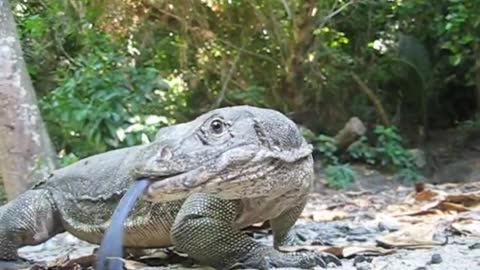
339	176
107	101
361	150
326	148
388	152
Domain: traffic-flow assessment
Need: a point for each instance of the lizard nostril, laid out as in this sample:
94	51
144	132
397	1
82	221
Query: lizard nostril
165	154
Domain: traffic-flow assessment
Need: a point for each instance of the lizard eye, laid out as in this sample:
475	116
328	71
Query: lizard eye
217	126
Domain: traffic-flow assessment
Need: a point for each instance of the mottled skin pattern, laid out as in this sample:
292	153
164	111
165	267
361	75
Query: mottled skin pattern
211	177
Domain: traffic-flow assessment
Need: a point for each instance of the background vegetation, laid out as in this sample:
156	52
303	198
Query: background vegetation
109	73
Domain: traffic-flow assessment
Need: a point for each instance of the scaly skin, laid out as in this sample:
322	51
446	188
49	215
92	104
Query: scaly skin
211	177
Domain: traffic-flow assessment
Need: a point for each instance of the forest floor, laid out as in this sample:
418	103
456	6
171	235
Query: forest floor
386	226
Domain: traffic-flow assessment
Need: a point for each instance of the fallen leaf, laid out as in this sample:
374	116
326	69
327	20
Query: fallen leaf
363	203
468	224
365	250
132	265
343	252
426	195
413	236
65	263
328	215
448	206
470	199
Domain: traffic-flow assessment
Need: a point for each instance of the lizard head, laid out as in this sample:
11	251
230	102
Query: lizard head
234	152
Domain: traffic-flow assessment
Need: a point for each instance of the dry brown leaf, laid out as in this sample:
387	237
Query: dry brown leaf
426	195
470	227
448	206
414	236
468	199
401	209
67	263
364	250
363	203
467	223
328	215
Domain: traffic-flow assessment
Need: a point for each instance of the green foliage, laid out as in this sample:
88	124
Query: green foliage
105	101
326	148
3	194
388	152
67	159
390	149
339	176
361	150
99	67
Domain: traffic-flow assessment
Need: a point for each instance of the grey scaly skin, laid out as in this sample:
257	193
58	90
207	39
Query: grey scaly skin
211	177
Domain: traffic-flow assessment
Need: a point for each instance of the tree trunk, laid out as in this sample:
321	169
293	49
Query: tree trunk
476	53
26	153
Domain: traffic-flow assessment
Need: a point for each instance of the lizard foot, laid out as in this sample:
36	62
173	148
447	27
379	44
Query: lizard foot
268	259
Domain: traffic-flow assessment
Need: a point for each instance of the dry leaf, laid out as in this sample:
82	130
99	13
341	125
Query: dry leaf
344	252
363	203
328	215
132	265
414	236
468	199
365	250
469	223
68	264
426	195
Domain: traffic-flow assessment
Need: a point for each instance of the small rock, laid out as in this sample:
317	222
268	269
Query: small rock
421	268
363	266
474	246
436	259
358	259
356	239
388	226
360	231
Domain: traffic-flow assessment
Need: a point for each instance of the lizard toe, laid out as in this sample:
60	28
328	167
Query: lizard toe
275	259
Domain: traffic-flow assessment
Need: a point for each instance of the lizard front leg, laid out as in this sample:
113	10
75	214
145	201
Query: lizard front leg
282	234
282	224
29	219
204	230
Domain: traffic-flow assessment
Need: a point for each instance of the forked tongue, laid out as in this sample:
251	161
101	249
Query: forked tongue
111	248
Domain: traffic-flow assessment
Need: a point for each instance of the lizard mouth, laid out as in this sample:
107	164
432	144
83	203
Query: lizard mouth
211	177
156	178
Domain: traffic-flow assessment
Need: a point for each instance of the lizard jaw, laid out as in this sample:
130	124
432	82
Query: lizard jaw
216	176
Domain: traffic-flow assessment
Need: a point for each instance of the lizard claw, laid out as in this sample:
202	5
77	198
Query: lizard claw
268	259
